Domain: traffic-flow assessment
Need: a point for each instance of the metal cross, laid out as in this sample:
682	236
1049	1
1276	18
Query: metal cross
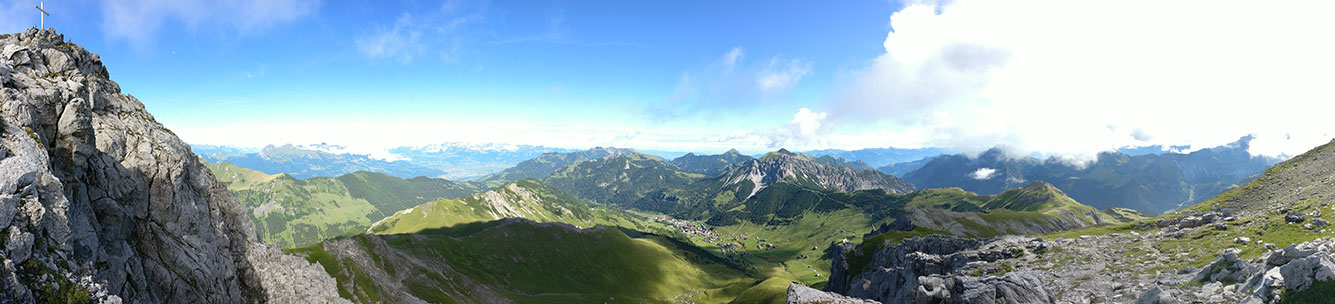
40	7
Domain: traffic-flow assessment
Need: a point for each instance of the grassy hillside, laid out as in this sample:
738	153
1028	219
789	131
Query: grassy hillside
547	163
526	262
1298	186
295	212
529	199
619	180
710	165
784	230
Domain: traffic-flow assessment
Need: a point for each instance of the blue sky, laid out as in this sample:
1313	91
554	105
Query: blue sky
1046	77
622	66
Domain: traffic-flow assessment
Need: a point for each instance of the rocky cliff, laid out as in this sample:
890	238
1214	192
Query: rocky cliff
98	200
941	269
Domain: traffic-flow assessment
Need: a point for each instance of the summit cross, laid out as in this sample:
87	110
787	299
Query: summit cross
41	7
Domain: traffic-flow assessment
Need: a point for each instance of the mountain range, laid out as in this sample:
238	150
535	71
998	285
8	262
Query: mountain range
1265	241
1152	183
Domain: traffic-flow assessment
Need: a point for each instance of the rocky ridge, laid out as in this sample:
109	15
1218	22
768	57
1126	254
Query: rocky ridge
935	269
99	200
784	165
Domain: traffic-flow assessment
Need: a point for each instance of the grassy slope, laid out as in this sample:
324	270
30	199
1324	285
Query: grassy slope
798	223
542	263
619	180
295	212
528	199
1301	184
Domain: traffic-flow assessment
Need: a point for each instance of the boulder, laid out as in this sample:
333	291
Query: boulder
928	267
1155	296
1228	268
1011	288
1301	273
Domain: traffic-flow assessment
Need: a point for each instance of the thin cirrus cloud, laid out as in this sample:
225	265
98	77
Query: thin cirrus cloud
729	81
1072	78
444	32
139	21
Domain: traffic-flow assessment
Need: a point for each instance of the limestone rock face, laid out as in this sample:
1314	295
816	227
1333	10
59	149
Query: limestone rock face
1227	268
91	186
801	294
928	270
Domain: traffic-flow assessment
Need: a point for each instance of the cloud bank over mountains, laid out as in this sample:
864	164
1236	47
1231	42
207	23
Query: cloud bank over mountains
1073	78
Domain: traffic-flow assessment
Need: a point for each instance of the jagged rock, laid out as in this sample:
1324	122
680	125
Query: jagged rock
1264	286
1013	287
1294	218
1320	222
91	184
915	267
1301	273
781	165
1192	220
801	294
305	283
1227	268
1155	296
18	244
1242	240
1290	253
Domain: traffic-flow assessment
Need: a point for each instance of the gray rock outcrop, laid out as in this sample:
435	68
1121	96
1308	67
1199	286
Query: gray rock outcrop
930	270
105	197
1227	268
801	294
1293	268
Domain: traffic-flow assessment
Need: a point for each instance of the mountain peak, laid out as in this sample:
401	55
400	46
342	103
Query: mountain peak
185	240
1041	185
732	152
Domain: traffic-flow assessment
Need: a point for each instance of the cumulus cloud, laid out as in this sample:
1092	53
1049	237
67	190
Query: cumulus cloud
1072	78
139	20
983	173
807	129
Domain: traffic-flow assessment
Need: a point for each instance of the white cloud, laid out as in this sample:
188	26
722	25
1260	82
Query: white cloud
782	74
1073	78
440	33
729	84
139	20
401	41
983	173
806	129
808	122
729	60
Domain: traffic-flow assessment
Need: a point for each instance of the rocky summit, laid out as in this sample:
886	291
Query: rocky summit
98	200
802	168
